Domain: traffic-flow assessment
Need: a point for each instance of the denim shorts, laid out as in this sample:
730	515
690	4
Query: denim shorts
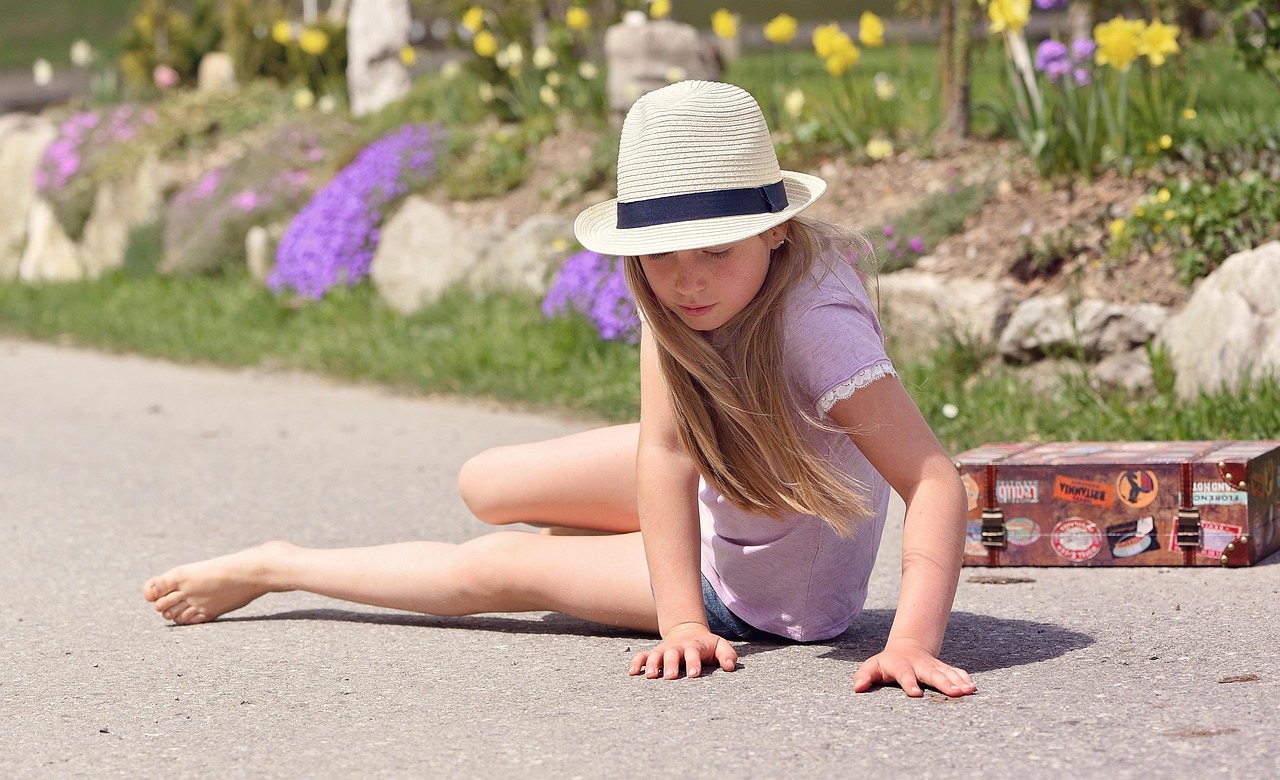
724	623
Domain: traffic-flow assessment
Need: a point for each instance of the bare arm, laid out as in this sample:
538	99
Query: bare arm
667	483
888	428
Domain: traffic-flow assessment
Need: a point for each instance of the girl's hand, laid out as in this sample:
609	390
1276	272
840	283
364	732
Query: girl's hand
690	644
910	665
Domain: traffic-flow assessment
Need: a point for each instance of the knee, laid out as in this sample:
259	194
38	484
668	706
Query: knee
478	485
483	565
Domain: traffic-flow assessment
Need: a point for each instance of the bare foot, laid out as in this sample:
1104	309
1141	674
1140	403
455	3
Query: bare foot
200	592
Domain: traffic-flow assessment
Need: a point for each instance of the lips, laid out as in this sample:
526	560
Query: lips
696	311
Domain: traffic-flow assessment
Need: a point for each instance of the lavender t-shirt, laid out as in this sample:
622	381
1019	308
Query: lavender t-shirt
797	578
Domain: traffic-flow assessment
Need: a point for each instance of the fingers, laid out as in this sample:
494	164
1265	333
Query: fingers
912	677
667	659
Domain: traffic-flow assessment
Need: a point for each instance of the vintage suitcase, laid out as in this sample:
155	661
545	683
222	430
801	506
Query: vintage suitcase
1171	503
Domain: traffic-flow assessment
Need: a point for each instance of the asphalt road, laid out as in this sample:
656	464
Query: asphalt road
114	468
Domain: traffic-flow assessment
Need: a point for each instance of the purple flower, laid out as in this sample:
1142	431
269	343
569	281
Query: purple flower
1082	49
1051	5
1052	59
888	231
594	285
333	238
246	201
916	244
1081	75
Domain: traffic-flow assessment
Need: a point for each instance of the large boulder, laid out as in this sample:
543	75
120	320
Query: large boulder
49	255
1230	326
119	206
920	308
422	251
376	32
525	258
23	139
644	54
1092	328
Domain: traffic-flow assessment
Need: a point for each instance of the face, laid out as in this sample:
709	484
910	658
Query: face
707	287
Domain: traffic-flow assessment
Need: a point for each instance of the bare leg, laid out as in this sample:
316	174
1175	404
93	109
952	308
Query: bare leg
585	481
598	578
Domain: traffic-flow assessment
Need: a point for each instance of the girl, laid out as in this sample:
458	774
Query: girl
749	500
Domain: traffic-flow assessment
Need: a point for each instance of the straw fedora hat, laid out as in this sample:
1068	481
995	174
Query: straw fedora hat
696	168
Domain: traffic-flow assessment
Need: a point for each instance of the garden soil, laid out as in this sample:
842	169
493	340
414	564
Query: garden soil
114	468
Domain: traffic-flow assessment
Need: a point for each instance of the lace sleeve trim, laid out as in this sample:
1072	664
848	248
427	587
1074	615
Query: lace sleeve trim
859	380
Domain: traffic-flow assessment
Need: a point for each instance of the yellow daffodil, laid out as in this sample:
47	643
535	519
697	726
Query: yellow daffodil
879	149
543	58
548	96
81	54
554	79
303	99
1139	211
1157	229
1168	215
824	37
485	44
659	9
1116	227
313	41
1165	141
486	92
515	54
577	18
1163	195
1011	15
883	86
282	32
451	70
870	30
473	19
1189	113
1117	42
724	24
588	71
794	103
844	55
408	56
1158	40
780	29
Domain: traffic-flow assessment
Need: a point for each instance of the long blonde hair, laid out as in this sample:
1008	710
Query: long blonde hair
737	413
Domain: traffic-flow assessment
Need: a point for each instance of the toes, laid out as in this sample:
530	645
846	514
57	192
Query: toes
189	616
165	603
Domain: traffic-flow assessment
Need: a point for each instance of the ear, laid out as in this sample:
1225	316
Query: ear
778	233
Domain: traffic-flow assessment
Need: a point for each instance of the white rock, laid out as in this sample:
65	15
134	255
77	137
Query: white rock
920	309
421	253
1230	326
525	258
50	254
217	73
376	32
23	140
644	56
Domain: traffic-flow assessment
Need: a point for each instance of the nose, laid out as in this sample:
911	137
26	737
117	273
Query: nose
688	276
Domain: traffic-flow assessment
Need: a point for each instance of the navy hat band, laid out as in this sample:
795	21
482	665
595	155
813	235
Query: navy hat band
768	199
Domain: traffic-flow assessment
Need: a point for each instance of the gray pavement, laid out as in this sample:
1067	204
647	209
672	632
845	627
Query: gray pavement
114	468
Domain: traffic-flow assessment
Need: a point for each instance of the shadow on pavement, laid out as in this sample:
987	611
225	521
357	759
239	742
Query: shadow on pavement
975	643
549	623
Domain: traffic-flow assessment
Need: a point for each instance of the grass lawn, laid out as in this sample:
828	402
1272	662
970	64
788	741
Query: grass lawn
47	29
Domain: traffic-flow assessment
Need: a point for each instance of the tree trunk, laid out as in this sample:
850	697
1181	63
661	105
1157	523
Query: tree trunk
946	43
957	108
1082	15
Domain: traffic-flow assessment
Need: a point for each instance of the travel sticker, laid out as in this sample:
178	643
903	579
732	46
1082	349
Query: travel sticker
1214	538
1017	491
1217	493
1133	538
970	490
1076	539
973	539
1021	531
1137	487
1083	491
